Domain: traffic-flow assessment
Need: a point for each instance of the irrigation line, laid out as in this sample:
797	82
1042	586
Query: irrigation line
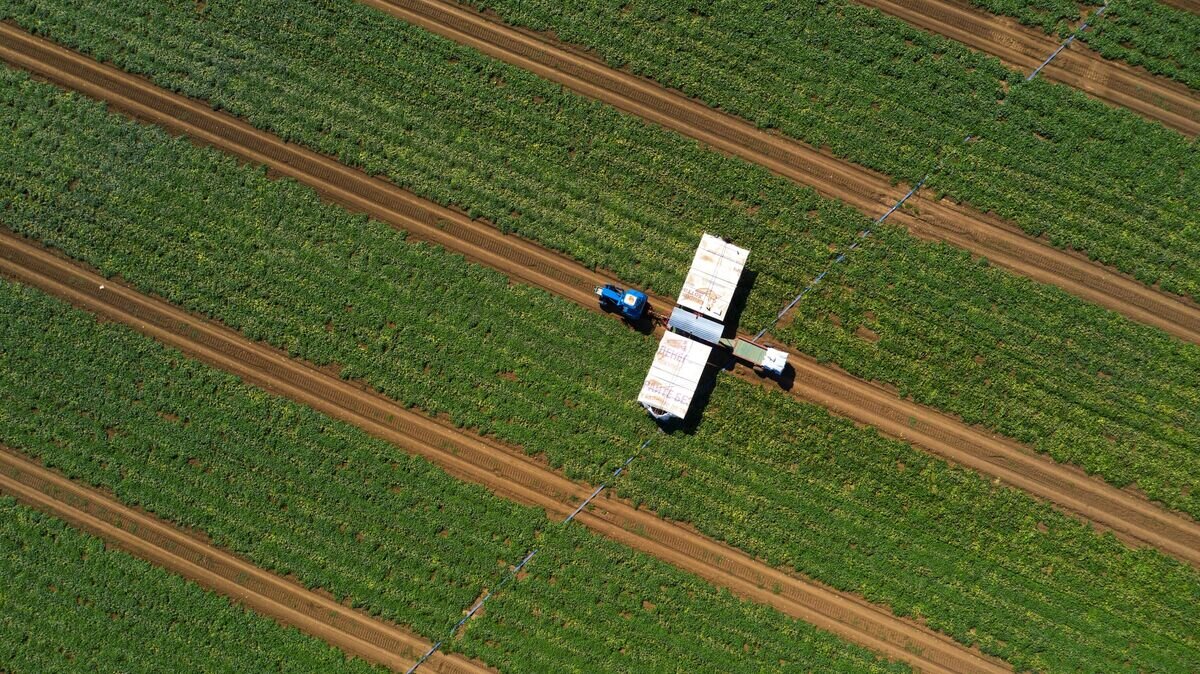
842	256
615	475
512	573
1068	41
867	232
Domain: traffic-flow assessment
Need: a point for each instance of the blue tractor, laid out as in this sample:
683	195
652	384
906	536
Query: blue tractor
630	303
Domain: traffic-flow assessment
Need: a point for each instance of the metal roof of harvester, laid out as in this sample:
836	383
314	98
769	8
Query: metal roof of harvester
674	374
691	323
713	278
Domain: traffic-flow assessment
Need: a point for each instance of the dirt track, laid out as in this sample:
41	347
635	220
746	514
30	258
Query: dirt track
167	546
1156	98
504	470
1001	242
1129	516
1186	5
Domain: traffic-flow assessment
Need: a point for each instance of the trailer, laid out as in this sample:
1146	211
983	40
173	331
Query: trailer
772	361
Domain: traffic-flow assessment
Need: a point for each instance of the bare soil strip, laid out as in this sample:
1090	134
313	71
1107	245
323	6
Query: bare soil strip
1186	5
504	470
1156	98
1130	516
999	241
165	545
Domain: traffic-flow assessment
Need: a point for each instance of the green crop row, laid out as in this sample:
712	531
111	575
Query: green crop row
886	95
1025	360
1144	33
72	605
1161	39
298	493
1056	17
782	480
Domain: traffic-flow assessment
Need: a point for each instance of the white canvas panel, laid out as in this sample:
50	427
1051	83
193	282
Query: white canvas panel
713	277
674	374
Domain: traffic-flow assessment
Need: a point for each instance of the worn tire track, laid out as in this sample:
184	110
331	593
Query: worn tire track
165	545
999	241
504	470
1156	98
1133	518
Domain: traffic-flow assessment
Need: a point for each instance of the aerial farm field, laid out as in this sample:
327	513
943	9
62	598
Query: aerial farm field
1153	35
322	344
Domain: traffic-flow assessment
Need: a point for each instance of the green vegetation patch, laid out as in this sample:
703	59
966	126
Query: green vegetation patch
1029	361
782	480
70	604
1147	33
302	495
1052	16
881	93
1161	39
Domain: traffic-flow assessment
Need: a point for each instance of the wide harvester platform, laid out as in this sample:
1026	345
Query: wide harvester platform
713	278
696	326
674	376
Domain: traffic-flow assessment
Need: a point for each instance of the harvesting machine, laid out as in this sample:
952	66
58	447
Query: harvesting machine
695	328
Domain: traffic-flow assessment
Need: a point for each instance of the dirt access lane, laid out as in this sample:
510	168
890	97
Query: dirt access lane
167	546
1186	5
1131	517
504	470
871	193
1156	98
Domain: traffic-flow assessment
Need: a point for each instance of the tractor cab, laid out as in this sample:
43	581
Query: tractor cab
630	303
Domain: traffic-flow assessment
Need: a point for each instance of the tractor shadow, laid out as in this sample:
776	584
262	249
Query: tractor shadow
644	325
785	381
733	320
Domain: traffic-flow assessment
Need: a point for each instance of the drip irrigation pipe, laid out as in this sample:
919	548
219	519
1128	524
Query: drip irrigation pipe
512	573
867	232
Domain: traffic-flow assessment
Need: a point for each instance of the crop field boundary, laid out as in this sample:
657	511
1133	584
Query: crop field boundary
925	178
165	545
986	235
1131	517
512	572
1187	5
505	471
842	257
1067	43
1154	97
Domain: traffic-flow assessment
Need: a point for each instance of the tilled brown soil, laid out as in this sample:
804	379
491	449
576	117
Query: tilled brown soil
1001	242
167	546
1133	518
504	470
1186	5
1156	98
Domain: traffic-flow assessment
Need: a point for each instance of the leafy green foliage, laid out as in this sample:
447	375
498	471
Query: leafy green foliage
72	605
980	562
298	493
883	94
1052	16
1072	380
1161	39
1144	33
779	479
1083	385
